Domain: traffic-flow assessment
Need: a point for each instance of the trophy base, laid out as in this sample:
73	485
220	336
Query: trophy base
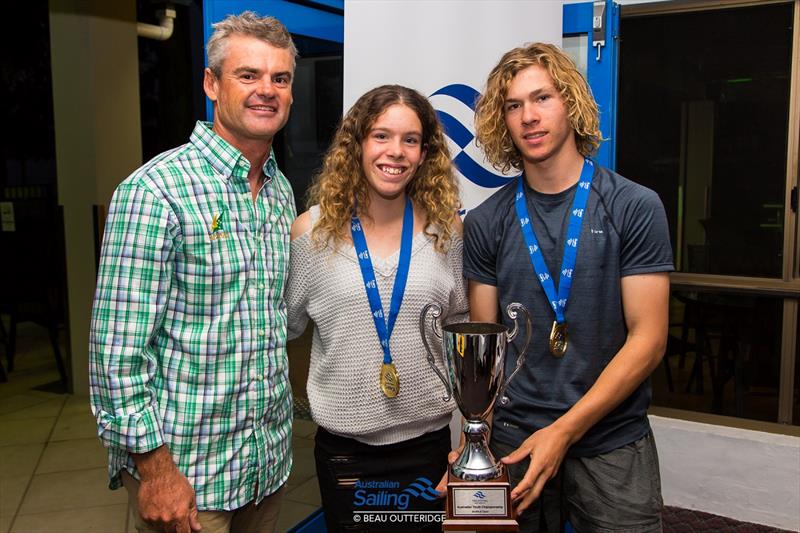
479	505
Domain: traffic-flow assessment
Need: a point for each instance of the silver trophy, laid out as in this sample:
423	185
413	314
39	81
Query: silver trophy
474	353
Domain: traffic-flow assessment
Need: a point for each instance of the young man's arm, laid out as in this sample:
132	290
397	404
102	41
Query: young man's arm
482	302
645	300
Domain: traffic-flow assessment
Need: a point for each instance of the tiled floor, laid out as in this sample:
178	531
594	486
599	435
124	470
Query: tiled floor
53	467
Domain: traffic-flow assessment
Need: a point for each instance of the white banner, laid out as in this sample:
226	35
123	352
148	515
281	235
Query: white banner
444	49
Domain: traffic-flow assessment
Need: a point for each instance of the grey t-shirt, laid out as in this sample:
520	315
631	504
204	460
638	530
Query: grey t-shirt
624	233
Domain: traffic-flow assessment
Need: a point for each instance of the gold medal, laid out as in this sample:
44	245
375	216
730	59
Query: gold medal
390	381
558	339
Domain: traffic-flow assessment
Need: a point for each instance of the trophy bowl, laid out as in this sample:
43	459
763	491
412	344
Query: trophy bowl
474	354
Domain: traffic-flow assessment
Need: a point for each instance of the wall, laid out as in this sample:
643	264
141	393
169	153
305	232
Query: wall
446	54
98	138
747	475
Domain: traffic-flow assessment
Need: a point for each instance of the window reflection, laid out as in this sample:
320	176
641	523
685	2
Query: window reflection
577	48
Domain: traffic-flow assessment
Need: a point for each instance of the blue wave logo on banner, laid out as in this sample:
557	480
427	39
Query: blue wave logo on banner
422	488
462	136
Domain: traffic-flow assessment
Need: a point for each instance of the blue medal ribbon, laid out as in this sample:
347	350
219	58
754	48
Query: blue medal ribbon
371	285
558	300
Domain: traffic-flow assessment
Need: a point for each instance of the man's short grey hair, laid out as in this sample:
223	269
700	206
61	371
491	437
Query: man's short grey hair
267	29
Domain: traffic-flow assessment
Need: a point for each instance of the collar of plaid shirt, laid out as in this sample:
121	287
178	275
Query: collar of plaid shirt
188	336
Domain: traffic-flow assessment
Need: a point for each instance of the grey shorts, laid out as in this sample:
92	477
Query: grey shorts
615	491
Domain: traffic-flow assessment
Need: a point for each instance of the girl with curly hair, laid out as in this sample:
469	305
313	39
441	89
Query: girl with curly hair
381	240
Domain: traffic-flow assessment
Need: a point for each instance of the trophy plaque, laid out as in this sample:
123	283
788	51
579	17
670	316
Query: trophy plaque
478	491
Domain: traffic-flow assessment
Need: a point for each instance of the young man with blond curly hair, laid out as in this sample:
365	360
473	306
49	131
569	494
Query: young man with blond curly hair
588	253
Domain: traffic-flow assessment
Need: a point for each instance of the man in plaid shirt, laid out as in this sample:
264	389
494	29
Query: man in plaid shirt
189	380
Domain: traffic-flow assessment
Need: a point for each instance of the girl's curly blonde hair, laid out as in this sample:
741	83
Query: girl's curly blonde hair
490	124
341	184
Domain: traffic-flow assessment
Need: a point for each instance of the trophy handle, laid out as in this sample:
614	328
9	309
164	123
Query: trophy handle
512	310
435	311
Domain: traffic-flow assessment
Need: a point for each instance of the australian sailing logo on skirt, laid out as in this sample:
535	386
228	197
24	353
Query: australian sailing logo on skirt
387	501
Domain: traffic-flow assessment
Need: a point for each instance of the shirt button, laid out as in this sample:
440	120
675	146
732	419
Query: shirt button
262	286
261	333
260	378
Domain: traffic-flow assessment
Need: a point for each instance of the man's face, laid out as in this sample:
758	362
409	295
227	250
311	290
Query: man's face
536	117
253	94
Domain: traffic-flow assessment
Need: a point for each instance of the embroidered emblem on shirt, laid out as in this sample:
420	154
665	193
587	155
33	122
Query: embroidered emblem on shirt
218	227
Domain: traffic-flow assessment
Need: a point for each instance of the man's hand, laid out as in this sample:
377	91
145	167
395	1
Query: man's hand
166	499
546	449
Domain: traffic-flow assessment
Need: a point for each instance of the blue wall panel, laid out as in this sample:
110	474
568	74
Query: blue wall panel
299	19
602	75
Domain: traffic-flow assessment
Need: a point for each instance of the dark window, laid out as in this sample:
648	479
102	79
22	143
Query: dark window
171	78
703	120
723	355
316	111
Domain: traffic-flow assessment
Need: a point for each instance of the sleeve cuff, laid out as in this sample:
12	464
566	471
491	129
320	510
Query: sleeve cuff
138	432
480	278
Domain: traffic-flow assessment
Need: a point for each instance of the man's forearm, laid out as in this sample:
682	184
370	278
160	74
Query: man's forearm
153	463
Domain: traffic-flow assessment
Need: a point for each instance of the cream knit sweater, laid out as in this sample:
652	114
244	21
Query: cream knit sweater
325	285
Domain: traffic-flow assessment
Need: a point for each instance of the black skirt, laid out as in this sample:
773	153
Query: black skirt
374	488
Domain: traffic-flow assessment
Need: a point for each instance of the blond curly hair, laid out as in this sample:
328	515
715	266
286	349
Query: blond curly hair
342	184
491	131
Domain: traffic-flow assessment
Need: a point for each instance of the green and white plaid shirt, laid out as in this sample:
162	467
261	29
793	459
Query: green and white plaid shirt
188	339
